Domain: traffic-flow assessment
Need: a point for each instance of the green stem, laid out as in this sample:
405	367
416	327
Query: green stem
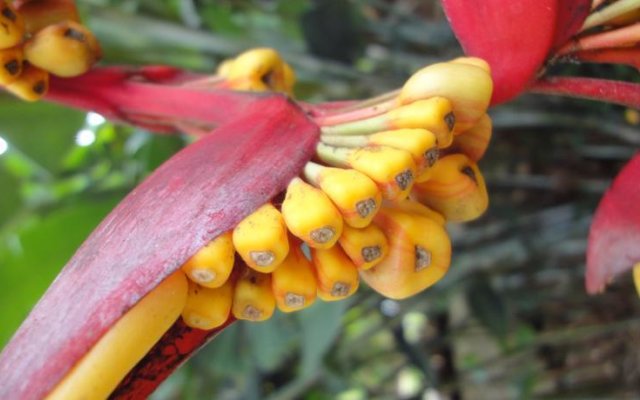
361	127
345	141
610	12
334	156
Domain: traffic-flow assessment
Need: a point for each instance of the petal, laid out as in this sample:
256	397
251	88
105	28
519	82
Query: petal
204	190
513	36
571	16
614	237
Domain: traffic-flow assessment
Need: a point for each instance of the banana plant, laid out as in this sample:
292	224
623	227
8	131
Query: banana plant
250	147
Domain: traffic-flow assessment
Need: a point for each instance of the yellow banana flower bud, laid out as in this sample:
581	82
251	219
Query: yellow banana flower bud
294	283
11	64
474	141
261	239
419	255
12	25
456	189
41	13
65	49
366	247
355	194
310	215
253	298
413	207
259	70
468	87
475	61
212	264
420	143
100	371
434	114
393	170
31	85
207	308
336	274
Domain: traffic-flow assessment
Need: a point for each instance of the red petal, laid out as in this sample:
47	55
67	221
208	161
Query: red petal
513	36
623	93
614	238
571	16
204	190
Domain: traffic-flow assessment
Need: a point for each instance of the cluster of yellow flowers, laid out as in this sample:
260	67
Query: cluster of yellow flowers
39	38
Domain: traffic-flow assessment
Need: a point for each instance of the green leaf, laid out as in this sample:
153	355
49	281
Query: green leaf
32	256
321	324
271	341
42	131
488	307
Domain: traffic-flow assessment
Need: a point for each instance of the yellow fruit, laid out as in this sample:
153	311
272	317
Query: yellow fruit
413	207
419	255
65	49
365	247
253	299
10	64
207	308
636	277
474	141
261	239
475	61
212	264
294	284
355	194
310	215
393	170
41	13
100	371
468	87
420	143
456	190
434	114
31	85
258	69
12	25
336	274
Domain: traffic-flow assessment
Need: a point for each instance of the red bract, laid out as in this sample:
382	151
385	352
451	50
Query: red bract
203	191
614	239
517	39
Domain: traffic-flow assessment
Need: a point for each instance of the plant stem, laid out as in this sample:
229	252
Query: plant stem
622	37
623	93
610	12
345	141
357	114
335	156
624	56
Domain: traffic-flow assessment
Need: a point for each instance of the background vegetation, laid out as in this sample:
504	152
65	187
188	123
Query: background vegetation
511	319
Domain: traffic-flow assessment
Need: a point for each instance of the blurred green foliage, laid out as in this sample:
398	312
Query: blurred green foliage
511	319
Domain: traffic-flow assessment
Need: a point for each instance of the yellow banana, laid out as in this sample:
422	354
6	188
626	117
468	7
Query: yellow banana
413	207
434	114
212	264
456	190
475	61
474	141
12	25
258	69
336	274
208	308
31	85
253	299
393	170
65	49
365	247
636	277
310	215
261	239
100	371
467	85
355	194
11	64
419	255
294	283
